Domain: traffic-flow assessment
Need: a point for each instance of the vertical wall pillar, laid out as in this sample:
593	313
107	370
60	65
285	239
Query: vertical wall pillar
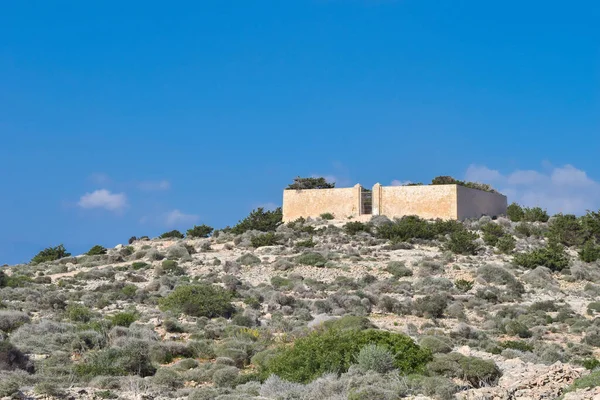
357	198
377	199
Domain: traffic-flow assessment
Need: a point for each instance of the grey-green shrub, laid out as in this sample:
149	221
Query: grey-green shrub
375	358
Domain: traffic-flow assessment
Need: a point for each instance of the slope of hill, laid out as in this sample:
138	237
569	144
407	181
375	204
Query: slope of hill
314	310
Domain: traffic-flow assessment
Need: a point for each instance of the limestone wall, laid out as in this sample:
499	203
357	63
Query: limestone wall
474	203
314	202
429	202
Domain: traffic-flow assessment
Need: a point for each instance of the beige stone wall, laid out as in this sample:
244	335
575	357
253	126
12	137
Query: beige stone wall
474	203
429	202
314	202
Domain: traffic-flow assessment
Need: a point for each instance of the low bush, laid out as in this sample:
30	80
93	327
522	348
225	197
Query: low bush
566	229
398	269
334	350
432	306
200	231
11	320
259	220
463	285
311	258
492	232
527	229
476	371
413	227
353	227
78	313
589	252
133	358
310	183
463	242
515	212
589	381
436	344
308	243
50	254
248	259
506	244
535	214
376	358
327	216
174	234
266	239
124	318
200	300
96	250
552	256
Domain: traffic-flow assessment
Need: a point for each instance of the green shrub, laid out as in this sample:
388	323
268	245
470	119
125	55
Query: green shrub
259	220
566	229
50	254
476	371
311	258
129	290
225	377
398	269
96	250
352	228
535	214
200	300
123	318
170	267
310	183
463	242
266	239
463	285
133	358
591	225
306	243
589	381
406	228
200	231
139	265
248	259
78	313
515	212
516	345
279	282
517	328
327	216
174	234
492	232
506	244
432	306
436	344
349	322
376	358
333	350
552	256
527	229
448	180
590	252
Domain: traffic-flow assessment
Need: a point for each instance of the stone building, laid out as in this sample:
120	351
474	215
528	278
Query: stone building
426	201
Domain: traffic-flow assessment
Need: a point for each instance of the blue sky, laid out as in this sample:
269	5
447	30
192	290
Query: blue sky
131	118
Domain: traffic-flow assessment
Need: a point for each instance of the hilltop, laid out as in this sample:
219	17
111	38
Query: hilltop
313	309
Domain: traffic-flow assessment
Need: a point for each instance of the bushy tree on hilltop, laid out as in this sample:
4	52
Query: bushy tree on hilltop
259	220
50	254
311	183
200	231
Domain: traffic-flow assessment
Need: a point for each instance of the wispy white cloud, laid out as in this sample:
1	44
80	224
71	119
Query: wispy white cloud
103	198
99	178
151	186
564	189
176	217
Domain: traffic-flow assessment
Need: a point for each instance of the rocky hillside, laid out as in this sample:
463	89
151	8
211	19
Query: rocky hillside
318	309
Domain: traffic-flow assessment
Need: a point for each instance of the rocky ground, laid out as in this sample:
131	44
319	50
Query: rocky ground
537	325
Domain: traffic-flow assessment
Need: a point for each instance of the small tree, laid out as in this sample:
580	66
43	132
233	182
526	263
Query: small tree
50	254
515	212
310	183
96	250
200	231
259	220
463	242
535	214
172	234
492	232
